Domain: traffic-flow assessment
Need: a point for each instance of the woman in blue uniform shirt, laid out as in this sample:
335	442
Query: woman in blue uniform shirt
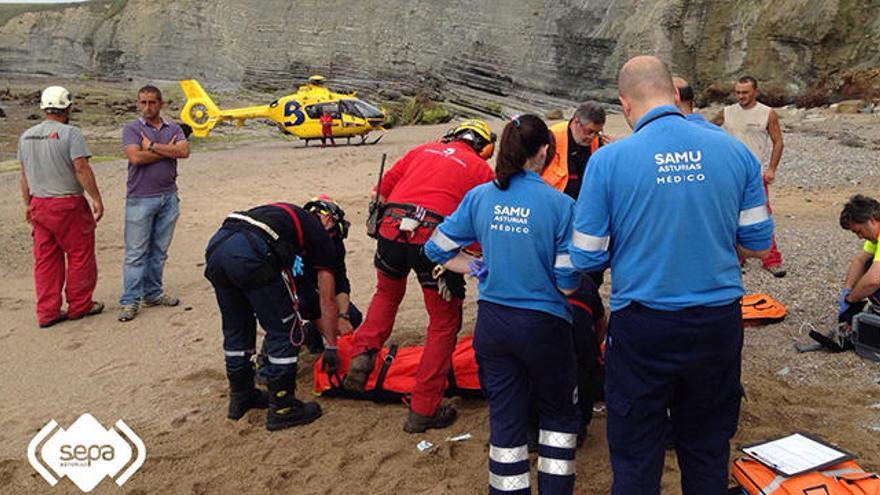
523	336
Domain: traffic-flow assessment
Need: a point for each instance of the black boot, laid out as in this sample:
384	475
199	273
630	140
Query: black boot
285	410
359	370
242	394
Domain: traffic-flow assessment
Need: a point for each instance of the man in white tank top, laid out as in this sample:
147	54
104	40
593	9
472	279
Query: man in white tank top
757	126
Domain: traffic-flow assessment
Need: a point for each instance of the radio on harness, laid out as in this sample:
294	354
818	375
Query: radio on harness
376	209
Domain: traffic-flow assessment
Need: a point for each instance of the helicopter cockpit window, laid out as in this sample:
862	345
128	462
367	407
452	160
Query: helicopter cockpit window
315	111
368	111
347	108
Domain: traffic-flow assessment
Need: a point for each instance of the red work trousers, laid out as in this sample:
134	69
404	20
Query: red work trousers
63	227
327	132
774	257
444	321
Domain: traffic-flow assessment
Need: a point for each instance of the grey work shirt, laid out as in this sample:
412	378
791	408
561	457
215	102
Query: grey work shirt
47	151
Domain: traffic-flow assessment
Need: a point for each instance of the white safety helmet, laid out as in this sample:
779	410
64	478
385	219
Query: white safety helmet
55	97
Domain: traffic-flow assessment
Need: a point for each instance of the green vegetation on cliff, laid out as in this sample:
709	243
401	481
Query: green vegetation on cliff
419	110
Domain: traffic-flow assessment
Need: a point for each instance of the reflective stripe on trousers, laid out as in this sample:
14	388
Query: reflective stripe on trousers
518	350
509	469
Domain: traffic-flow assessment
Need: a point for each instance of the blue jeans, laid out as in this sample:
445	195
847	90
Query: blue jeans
149	227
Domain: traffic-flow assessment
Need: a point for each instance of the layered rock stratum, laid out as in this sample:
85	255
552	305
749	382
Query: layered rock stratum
524	50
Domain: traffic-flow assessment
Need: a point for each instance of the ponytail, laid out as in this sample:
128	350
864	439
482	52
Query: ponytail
522	139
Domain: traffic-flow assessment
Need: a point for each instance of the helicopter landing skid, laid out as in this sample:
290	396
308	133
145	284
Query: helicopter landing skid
363	140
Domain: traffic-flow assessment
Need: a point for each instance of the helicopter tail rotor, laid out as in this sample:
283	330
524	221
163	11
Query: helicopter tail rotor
199	112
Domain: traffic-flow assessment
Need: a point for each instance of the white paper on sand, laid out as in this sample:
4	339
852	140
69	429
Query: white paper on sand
459	438
795	454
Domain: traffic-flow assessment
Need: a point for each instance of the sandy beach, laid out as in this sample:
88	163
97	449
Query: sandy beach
163	372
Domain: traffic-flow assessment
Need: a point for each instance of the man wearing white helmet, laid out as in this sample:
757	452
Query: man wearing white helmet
54	173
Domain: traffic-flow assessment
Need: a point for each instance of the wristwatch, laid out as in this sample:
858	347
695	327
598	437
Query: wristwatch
344	316
150	147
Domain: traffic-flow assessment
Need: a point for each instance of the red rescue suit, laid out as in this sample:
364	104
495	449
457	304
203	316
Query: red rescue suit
326	125
433	177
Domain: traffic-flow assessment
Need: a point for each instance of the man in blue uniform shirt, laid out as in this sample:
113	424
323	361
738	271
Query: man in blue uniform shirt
685	103
671	197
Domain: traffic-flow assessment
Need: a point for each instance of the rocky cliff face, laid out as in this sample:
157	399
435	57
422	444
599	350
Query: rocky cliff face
532	51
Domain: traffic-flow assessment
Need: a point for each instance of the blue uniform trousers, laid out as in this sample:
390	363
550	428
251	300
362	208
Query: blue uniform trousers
233	260
518	350
685	362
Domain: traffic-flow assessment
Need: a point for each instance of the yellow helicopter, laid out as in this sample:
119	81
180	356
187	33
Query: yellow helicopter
296	114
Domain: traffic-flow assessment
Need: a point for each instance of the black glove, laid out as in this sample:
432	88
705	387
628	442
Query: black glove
851	310
449	283
330	360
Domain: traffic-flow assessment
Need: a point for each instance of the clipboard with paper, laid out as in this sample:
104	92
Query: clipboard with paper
795	454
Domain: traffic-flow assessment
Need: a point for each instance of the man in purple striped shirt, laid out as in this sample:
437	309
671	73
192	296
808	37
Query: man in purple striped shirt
152	145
